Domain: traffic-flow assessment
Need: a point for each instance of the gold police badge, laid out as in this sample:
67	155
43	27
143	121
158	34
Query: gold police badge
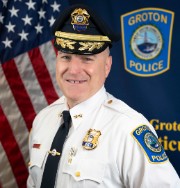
80	19
90	141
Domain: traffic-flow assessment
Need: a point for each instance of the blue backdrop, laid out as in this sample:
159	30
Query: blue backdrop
151	83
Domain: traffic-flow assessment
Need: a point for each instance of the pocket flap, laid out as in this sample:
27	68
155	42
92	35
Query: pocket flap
85	169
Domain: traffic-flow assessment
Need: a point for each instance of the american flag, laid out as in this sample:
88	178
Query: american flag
27	79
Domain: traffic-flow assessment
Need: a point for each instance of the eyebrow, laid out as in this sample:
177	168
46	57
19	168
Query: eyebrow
59	52
88	55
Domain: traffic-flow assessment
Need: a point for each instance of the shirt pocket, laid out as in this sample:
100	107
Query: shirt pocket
36	165
86	170
37	157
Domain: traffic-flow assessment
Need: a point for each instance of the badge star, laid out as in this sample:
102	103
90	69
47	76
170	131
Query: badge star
23	35
38	28
7	43
55	6
10	27
44	1
4	3
14	12
1	18
27	20
31	5
41	13
51	21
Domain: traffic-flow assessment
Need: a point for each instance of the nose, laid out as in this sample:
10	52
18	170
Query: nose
74	65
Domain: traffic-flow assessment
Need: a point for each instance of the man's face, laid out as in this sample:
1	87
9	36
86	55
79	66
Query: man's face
81	76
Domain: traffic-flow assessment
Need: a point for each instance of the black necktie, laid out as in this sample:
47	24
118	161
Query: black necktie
50	170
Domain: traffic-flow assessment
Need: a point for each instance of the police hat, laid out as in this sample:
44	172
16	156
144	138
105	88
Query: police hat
79	30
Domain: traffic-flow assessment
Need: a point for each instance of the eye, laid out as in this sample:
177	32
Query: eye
88	59
65	57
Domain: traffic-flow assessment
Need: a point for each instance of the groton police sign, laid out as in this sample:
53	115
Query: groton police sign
146	41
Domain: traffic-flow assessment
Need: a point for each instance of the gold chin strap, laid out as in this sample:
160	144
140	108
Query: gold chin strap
81	37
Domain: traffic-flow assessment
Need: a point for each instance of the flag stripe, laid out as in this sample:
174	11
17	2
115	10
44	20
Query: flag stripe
28	76
0	184
49	57
27	79
43	75
55	49
20	94
14	153
6	173
13	116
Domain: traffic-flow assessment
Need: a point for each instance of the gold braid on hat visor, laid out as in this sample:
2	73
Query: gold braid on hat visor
81	37
86	42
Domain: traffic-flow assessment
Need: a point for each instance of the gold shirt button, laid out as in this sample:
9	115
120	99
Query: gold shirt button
29	163
110	101
77	174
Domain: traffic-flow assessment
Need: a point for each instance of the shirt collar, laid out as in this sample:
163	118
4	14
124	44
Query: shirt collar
80	111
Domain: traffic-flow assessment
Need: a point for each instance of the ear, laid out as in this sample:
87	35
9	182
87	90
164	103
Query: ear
108	65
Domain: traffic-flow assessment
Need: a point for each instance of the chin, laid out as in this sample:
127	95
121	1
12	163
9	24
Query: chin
76	98
73	97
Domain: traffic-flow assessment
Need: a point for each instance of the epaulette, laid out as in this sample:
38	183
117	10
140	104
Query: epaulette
121	107
117	104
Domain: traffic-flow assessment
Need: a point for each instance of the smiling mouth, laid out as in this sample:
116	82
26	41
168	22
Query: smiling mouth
76	81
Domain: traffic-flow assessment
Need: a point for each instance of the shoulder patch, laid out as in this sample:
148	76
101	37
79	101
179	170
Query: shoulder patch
150	145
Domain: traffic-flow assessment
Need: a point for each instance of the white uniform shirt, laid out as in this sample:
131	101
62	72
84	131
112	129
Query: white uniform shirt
118	161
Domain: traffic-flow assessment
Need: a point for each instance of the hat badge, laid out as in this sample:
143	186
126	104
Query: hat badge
80	19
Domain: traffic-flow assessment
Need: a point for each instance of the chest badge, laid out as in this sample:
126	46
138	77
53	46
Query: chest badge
90	141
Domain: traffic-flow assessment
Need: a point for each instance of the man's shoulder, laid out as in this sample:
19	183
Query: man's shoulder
125	112
55	107
117	105
129	119
57	103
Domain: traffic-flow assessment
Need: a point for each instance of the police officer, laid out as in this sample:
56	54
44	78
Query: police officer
108	144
